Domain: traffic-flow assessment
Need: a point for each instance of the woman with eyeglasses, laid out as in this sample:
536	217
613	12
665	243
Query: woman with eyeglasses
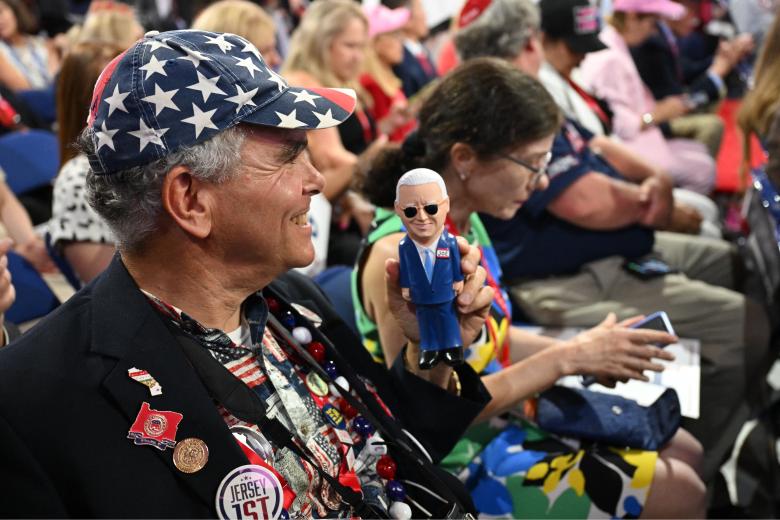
492	154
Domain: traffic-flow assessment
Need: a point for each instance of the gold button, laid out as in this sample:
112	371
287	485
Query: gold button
190	455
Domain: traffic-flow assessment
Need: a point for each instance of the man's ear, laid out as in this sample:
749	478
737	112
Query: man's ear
188	201
463	158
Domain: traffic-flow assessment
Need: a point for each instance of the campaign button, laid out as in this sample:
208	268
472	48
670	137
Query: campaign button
190	455
316	385
249	491
334	417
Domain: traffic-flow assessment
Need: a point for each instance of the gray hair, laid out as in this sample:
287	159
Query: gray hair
502	31
420	176
130	201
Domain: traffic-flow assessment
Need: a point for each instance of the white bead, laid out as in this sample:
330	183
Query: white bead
151	34
400	511
376	445
302	335
342	382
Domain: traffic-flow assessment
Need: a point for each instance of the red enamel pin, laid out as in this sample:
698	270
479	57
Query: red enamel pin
155	428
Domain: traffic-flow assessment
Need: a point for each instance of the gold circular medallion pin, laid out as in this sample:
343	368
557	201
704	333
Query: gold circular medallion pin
190	455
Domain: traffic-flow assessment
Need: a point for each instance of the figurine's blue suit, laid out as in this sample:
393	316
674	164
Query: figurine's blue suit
434	300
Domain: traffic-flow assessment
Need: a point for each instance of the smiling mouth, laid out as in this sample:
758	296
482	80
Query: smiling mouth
301	219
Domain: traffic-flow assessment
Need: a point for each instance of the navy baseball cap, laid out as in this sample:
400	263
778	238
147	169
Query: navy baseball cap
575	21
174	89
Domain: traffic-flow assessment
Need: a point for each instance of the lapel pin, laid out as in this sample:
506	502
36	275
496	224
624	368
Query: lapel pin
155	428
190	455
146	379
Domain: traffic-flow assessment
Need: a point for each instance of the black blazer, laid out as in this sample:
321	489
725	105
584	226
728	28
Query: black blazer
67	403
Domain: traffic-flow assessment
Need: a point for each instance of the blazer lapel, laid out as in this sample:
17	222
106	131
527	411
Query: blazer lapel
125	327
438	264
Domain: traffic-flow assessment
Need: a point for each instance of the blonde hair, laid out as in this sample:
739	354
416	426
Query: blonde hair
761	103
117	26
380	71
239	17
309	52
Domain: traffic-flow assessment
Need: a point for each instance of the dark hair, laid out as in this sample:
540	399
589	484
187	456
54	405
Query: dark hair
484	103
26	21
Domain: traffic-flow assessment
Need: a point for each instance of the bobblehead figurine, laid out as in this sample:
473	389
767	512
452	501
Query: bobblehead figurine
430	265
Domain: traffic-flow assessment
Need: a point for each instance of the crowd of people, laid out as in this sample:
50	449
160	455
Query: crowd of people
216	158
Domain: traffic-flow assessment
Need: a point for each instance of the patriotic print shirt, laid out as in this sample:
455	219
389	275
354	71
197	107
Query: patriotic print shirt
266	368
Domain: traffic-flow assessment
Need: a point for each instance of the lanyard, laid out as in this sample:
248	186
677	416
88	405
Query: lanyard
254	458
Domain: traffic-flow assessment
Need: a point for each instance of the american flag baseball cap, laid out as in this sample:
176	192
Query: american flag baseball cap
177	88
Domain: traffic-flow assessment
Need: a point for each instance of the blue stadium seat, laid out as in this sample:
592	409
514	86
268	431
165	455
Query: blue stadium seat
34	299
30	159
42	102
335	282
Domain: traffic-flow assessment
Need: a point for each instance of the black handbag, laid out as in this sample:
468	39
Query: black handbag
609	419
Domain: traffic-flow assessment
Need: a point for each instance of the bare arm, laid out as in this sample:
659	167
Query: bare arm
596	201
523	344
88	259
609	351
623	159
10	76
20	228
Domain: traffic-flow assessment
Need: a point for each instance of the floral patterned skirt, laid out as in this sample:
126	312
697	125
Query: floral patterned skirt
513	469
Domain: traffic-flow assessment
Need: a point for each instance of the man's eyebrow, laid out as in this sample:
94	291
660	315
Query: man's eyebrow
292	149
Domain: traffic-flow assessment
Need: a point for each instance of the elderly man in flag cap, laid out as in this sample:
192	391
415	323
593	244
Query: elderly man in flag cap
194	378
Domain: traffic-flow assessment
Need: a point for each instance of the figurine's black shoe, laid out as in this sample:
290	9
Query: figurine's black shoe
453	356
429	358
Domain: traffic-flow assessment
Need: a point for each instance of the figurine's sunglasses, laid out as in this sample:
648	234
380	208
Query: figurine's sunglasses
431	209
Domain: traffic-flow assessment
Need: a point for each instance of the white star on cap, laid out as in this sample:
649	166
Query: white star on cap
206	86
242	98
105	137
251	48
162	99
156	44
116	100
276	78
200	119
220	42
148	135
154	66
326	120
290	120
249	65
194	56
306	96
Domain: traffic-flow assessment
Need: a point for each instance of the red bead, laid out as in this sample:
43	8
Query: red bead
347	409
317	351
273	305
385	467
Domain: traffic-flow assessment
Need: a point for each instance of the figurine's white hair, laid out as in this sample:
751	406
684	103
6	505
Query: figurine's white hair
420	176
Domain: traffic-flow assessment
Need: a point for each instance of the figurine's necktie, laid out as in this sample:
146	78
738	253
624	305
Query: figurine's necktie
428	264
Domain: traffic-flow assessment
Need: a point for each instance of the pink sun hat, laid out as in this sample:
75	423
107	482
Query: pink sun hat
382	19
665	8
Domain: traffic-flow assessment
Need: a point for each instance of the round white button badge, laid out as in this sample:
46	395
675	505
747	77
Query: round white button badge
249	492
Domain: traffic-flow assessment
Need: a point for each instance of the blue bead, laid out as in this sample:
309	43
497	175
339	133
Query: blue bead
288	319
361	425
395	491
330	368
284	515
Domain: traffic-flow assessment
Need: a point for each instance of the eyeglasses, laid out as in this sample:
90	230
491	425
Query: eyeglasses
537	171
431	209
